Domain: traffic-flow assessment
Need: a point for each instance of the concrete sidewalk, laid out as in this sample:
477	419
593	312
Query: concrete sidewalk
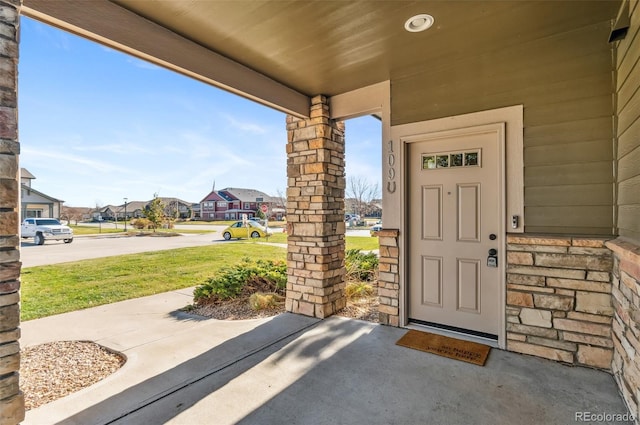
291	369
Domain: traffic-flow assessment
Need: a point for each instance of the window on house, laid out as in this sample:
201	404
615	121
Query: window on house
451	160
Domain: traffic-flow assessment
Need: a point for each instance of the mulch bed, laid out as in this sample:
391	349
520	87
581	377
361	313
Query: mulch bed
56	369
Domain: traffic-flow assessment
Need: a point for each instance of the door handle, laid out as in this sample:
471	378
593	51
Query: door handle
492	259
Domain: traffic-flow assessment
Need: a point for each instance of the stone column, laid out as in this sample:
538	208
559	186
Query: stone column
389	277
315	213
11	399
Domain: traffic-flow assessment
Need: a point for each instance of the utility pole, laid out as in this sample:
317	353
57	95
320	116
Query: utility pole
125	213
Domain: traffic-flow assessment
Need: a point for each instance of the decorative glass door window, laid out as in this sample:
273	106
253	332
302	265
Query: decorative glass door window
465	158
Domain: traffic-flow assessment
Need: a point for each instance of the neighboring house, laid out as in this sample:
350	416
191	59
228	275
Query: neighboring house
195	208
364	209
174	207
35	203
107	213
231	203
510	153
213	207
135	209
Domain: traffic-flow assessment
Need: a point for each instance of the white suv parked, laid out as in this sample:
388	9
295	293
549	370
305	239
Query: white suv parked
41	229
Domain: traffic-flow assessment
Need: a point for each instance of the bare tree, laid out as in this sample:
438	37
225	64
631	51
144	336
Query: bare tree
280	199
362	191
73	213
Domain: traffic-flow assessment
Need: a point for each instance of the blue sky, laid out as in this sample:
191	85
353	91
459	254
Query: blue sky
97	126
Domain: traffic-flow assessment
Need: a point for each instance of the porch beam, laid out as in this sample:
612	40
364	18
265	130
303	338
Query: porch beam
116	27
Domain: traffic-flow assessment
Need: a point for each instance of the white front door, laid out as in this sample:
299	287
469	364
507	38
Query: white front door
455	229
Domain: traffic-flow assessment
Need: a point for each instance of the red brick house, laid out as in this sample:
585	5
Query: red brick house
231	203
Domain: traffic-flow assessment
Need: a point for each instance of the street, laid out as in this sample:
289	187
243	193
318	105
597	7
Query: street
85	247
110	244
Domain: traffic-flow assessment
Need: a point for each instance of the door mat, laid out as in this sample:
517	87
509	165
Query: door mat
466	351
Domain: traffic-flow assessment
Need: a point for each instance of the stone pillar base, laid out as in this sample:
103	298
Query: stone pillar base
626	321
389	278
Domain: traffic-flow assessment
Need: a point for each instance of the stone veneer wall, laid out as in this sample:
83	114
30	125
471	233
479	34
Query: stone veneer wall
559	299
626	320
11	399
315	213
389	278
571	299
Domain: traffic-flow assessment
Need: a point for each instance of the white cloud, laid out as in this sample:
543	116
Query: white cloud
246	126
115	148
64	161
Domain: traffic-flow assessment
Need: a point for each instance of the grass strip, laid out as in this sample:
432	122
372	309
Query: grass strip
60	288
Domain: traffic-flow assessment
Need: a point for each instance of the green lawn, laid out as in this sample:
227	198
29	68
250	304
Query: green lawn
61	288
90	230
363	243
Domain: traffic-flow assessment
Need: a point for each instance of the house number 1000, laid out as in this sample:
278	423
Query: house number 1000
391	173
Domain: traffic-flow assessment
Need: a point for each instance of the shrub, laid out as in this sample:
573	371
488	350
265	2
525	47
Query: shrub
243	278
261	301
358	290
360	266
141	223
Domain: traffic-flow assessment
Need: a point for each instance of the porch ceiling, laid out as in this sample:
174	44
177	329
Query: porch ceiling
282	52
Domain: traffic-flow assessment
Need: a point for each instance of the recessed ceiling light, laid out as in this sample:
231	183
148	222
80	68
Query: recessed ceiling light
418	23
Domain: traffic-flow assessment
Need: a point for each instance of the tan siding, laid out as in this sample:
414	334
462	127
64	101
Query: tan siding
570	174
628	109
571	230
568	132
559	217
570	153
573	110
628	84
628	140
629	191
628	51
565	83
628	114
628	165
629	221
600	194
519	74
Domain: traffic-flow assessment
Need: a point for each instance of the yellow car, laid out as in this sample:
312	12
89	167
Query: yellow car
240	230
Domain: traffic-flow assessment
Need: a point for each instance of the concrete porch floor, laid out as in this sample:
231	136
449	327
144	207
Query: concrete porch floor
292	369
